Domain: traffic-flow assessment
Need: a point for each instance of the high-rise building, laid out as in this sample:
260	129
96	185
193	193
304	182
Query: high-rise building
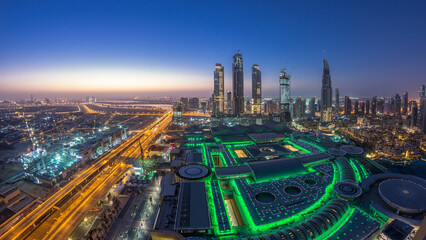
219	91
298	108
422	92
356	107
361	108
405	104
194	103
367	107
285	113
397	104
348	106
392	105
238	85
422	115
374	106
326	94
185	103
312	107
337	101
256	89
271	107
414	114
229	102
381	105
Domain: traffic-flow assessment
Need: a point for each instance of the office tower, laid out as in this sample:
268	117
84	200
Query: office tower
374	106
32	98
422	115
405	104
238	85
397	104
381	105
185	103
414	114
422	92
356	107
367	107
361	108
348	106
194	103
337	101
298	108
219	91
312	107
326	94
177	114
285	114
256	89
229	102
391	106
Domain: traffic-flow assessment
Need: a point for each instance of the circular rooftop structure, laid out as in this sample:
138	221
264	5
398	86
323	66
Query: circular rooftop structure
352	149
265	197
403	195
347	190
336	152
193	171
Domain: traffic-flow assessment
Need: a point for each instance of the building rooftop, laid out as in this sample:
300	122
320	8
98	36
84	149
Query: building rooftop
192	211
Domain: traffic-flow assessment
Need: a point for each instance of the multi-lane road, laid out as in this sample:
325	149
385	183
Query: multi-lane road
82	191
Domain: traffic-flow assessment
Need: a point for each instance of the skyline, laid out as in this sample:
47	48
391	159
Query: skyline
126	50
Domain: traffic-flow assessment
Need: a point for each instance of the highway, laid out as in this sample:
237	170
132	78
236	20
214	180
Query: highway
50	208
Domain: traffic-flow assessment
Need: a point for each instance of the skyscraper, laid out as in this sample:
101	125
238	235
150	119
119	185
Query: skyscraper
185	103
348	106
422	92
219	91
326	94
194	103
256	89
397	104
392	105
337	101
422	115
374	106
367	107
414	115
356	107
405	104
229	102
238	84
285	114
312	107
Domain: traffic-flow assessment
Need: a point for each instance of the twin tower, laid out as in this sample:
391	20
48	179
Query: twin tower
235	105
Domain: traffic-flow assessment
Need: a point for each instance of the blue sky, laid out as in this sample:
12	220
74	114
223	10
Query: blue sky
156	48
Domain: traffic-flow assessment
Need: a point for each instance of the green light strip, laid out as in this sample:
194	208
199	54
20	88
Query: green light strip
331	231
355	169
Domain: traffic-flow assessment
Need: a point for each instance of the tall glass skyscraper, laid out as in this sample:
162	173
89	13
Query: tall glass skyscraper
238	85
256	89
326	94
285	113
374	106
337	100
422	92
405	104
218	91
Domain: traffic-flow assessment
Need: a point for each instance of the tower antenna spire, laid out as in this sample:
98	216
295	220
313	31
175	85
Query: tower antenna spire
324	52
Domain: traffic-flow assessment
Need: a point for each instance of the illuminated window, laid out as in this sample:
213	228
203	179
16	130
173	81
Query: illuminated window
240	153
